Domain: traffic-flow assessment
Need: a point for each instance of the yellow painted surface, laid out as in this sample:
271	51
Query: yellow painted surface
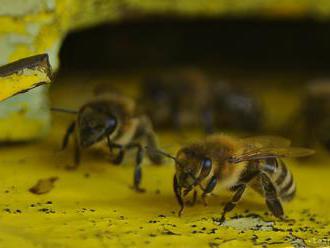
14	83
94	206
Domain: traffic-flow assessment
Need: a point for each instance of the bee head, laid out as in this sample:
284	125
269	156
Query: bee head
95	123
192	166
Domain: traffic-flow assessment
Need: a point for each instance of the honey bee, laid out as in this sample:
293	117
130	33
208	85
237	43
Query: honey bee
234	164
116	120
236	109
312	123
206	103
165	93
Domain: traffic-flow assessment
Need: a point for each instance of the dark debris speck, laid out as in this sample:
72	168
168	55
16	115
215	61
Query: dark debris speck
7	210
46	210
169	232
213	230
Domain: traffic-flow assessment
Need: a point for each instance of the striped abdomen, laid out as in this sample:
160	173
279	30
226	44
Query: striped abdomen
282	179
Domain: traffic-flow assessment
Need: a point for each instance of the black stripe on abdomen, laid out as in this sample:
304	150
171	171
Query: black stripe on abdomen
284	182
281	174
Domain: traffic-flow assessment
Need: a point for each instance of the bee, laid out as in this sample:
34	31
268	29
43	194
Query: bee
312	123
235	164
116	120
164	92
207	104
236	109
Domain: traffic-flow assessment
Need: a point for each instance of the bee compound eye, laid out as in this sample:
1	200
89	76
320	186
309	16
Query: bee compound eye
206	164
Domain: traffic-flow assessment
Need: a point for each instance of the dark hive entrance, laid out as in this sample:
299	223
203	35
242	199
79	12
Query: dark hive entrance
226	46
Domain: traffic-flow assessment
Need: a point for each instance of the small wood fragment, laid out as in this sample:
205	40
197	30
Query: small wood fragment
43	186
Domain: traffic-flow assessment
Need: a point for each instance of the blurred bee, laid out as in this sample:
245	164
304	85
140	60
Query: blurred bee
235	164
115	119
312	124
181	99
189	99
235	109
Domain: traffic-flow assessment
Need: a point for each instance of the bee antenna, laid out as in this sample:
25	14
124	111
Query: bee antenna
165	154
63	110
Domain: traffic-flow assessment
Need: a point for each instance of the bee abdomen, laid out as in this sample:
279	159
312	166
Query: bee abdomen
284	182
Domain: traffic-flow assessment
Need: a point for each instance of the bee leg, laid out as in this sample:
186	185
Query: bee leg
209	188
231	205
194	199
119	159
178	195
272	201
239	189
138	166
76	158
152	143
68	132
147	131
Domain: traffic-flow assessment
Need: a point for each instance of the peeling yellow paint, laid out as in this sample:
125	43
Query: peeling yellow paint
23	75
15	83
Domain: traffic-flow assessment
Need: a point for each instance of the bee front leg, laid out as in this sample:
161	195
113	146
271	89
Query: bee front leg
194	199
68	132
209	188
231	205
138	166
178	194
272	201
119	159
147	132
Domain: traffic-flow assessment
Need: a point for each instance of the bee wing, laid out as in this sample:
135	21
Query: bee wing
271	152
265	141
